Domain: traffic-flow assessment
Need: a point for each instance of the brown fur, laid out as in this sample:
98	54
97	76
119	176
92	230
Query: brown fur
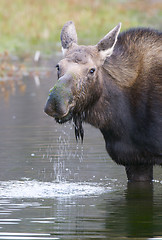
120	94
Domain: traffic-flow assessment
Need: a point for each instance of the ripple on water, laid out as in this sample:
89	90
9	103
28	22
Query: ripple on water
36	189
26	236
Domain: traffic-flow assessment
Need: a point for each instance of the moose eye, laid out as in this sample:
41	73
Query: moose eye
57	67
92	70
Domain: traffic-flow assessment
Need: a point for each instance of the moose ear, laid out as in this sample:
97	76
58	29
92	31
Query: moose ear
68	36
107	44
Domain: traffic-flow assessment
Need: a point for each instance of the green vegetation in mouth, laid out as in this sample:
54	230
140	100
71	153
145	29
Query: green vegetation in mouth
27	26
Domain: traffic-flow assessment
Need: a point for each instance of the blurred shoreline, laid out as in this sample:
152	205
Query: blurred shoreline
35	25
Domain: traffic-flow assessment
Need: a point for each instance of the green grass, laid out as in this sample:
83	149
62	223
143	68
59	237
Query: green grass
28	25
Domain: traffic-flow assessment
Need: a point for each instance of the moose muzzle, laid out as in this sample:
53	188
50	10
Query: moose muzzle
59	102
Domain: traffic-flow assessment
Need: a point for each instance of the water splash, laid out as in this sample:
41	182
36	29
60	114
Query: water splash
36	189
67	150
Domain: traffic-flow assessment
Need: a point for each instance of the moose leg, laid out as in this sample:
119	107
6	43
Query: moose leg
139	173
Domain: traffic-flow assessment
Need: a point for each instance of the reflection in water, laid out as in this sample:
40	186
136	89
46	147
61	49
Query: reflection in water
53	188
139	199
8	88
134	213
12	73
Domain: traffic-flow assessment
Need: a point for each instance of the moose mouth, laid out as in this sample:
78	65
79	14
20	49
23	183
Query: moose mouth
58	112
65	118
77	122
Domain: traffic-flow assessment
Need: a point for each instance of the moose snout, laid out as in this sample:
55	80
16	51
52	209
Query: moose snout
48	109
59	99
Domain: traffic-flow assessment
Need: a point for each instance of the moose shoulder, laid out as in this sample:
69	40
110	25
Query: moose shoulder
115	86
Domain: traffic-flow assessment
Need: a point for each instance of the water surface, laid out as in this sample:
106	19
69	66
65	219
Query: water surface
54	188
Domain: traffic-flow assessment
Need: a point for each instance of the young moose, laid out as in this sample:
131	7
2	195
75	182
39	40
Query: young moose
115	86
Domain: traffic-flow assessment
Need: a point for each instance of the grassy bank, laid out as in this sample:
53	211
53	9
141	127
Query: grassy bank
28	25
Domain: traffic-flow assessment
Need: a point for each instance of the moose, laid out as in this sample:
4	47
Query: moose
116	86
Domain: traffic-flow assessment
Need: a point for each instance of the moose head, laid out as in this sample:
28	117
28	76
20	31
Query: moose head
79	73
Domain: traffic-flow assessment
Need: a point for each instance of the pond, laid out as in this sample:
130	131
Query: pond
54	188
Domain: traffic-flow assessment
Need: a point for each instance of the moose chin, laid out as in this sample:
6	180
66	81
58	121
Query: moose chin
116	86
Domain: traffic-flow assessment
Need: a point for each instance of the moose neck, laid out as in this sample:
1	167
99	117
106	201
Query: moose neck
107	112
123	86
